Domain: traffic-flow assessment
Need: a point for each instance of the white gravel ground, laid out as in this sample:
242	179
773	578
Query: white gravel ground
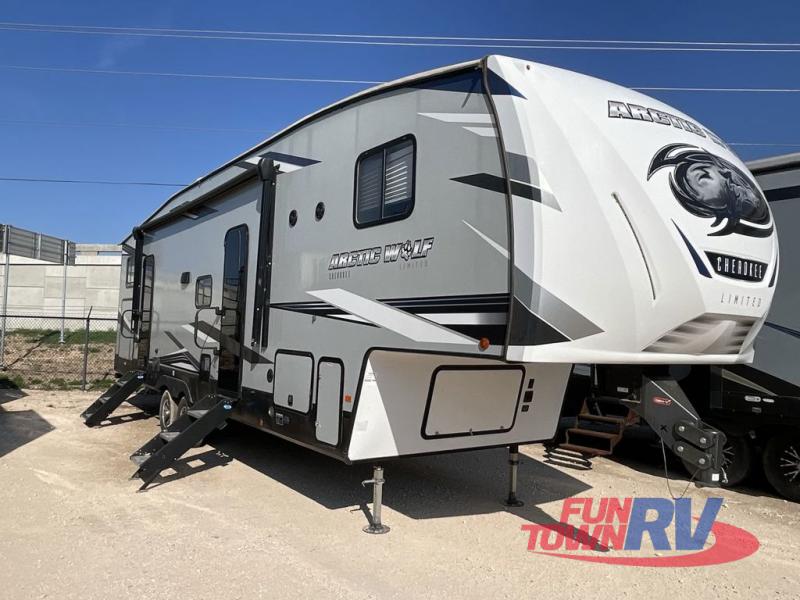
251	516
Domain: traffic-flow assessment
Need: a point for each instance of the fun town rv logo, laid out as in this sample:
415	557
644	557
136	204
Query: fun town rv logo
591	528
711	187
390	253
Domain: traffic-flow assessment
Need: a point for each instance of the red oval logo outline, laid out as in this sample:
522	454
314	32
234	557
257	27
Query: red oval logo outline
731	543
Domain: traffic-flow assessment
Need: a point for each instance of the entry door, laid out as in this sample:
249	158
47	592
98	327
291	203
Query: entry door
234	280
146	320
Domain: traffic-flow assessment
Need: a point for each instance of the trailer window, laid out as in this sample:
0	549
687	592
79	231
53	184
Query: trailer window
385	182
202	292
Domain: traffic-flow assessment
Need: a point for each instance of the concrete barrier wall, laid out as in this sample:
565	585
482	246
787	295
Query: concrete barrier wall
36	288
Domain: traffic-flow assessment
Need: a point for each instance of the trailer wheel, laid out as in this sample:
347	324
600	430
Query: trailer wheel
183	407
782	464
167	410
737	459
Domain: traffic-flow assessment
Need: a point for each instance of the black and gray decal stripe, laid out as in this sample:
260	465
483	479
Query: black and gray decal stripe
231	345
701	267
174	340
180	356
321	309
495	183
477	316
775	271
522	168
559	321
441	304
445	304
529	329
550	310
180	361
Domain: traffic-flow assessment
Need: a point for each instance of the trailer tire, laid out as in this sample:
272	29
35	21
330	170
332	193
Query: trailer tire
782	464
167	410
738	460
183	407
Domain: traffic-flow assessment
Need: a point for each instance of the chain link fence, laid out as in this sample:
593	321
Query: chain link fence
44	352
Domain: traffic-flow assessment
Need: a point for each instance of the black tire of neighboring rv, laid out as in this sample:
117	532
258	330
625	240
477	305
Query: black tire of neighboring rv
782	464
739	458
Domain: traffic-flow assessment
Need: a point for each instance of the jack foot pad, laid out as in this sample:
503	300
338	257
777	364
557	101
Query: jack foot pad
376	529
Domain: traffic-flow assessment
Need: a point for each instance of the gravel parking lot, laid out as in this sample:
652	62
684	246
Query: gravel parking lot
250	516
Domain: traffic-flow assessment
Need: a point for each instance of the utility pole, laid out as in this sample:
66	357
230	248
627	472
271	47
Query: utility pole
64	291
6	274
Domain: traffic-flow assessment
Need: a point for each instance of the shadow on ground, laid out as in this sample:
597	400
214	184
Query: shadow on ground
429	487
146	401
9	392
191	465
18	427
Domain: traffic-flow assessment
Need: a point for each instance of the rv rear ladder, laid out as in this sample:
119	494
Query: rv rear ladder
168	446
112	398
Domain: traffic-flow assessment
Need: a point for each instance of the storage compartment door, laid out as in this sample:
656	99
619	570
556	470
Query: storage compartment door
329	401
465	401
293	374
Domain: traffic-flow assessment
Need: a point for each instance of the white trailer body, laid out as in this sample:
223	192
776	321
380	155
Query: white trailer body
416	268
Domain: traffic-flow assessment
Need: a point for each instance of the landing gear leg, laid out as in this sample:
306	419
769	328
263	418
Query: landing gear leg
377	482
513	466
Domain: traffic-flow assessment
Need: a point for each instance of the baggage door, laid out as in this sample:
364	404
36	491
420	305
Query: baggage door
329	401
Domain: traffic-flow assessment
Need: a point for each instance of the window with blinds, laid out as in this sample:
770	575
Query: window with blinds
385	182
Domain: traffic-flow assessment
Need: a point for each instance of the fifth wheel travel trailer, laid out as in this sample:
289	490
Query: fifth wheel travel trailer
415	269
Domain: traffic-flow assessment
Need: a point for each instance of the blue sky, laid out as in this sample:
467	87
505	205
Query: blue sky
248	110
